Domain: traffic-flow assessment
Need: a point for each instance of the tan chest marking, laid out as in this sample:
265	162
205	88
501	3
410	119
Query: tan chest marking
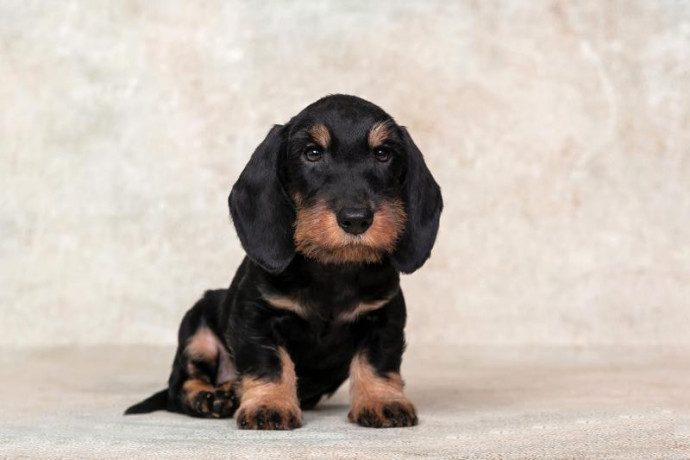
360	309
285	303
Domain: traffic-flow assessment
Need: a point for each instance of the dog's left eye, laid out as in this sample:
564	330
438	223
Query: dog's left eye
382	154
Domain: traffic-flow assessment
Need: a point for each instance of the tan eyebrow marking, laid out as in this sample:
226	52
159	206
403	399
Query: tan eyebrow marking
379	133
320	134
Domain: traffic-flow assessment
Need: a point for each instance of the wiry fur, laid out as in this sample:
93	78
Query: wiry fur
312	304
318	236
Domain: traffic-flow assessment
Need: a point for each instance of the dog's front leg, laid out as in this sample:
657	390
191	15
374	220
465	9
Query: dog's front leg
376	388
268	391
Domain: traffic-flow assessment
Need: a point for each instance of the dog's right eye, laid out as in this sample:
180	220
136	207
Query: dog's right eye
313	153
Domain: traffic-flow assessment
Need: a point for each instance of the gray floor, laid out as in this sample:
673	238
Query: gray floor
473	402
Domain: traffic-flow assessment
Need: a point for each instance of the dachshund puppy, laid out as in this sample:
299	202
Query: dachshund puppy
330	209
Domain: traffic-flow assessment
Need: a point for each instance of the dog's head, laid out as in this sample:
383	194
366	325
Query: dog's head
340	183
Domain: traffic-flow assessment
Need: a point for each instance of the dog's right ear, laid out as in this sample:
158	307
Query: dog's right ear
261	210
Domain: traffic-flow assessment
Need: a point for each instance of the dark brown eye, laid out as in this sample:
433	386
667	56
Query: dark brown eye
382	154
313	153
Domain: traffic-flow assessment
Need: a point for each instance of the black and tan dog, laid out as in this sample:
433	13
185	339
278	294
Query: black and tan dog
330	209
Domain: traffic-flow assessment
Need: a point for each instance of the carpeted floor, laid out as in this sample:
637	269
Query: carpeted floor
473	402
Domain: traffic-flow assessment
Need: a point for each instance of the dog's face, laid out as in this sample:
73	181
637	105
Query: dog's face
340	183
344	170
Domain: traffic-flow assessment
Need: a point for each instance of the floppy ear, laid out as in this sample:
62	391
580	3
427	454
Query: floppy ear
261	210
423	204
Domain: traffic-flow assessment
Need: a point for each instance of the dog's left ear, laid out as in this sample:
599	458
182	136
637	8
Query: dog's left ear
423	204
261	210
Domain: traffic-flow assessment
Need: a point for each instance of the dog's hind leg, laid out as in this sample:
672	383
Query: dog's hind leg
201	383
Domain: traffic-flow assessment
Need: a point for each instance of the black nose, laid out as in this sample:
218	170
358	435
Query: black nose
355	220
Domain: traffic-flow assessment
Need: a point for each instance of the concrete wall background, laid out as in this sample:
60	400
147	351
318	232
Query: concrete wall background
559	131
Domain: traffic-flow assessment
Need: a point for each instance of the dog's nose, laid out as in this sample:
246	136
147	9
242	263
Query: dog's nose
355	220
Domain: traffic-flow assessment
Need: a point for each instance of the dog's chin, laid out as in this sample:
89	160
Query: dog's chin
351	252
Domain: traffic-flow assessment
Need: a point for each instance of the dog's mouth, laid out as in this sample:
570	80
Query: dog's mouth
318	235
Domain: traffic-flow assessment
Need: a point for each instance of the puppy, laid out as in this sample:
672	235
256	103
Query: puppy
330	209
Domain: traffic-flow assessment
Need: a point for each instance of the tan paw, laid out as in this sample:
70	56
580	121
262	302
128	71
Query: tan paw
266	417
384	414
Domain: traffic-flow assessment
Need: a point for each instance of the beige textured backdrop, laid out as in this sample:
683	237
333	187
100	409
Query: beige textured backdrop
559	131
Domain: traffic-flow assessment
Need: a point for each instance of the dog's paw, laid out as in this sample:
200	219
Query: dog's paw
220	403
265	417
385	414
224	403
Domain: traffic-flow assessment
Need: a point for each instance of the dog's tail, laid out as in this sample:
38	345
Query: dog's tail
157	401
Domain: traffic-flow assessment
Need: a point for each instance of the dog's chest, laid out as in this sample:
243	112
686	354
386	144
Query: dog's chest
335	307
328	297
325	330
